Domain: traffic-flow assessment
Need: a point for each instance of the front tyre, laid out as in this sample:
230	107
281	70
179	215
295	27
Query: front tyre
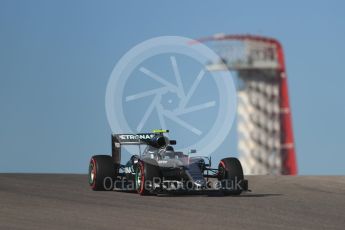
230	173
101	173
147	175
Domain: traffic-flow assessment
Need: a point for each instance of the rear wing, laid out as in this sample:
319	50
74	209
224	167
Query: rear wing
117	140
133	139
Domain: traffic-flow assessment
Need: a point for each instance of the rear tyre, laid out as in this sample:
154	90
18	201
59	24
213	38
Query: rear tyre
147	172
101	173
230	172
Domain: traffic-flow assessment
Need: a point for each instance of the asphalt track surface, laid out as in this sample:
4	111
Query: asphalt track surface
57	201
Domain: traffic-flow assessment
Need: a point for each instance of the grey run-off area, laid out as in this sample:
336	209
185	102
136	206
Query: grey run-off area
61	201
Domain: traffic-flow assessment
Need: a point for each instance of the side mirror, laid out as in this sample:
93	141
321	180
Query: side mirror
172	142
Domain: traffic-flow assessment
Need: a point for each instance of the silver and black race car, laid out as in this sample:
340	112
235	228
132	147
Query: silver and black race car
157	169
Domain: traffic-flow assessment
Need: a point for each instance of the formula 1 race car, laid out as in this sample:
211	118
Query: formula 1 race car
159	169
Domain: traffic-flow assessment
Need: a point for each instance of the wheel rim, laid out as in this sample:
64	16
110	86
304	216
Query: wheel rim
139	178
92	172
221	170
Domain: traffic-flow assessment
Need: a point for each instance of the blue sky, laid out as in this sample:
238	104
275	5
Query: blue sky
56	58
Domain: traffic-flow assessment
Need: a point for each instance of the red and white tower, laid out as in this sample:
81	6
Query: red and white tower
266	142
